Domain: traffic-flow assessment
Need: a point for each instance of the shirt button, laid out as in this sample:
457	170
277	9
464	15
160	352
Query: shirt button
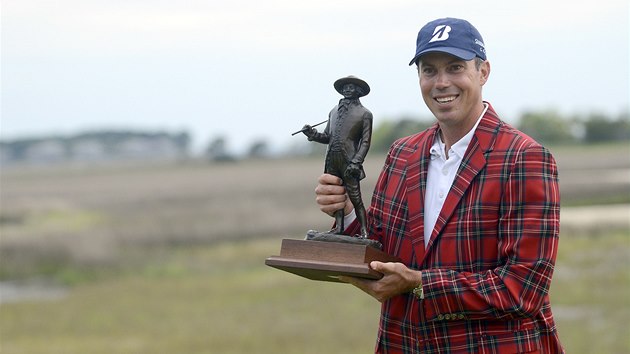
441	195
445	172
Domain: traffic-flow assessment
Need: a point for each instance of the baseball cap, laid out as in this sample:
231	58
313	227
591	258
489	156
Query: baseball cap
450	35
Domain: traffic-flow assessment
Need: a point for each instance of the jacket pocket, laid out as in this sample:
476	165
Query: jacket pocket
523	341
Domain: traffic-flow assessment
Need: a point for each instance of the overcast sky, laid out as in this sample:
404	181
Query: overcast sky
251	69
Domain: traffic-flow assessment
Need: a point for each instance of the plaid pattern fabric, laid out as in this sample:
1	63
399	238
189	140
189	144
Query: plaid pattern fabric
488	265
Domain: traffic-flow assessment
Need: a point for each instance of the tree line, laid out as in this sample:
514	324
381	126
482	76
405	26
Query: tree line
548	127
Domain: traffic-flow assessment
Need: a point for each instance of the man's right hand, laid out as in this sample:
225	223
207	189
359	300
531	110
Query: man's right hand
331	195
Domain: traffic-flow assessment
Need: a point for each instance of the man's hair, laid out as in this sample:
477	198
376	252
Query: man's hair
478	62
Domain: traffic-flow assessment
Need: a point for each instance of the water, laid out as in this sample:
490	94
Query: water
30	290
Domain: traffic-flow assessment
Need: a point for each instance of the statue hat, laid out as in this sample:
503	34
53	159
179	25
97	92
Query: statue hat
352	80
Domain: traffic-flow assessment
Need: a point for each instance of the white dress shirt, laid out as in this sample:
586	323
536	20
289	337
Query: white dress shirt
440	178
441	174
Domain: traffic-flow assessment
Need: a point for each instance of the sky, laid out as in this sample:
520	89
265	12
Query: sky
251	70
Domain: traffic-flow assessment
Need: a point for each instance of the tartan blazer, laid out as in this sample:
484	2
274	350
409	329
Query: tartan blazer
487	268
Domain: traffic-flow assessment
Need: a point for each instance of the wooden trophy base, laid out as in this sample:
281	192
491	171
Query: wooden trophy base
326	261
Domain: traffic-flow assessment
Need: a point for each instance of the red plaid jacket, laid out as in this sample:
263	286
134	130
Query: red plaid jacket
488	265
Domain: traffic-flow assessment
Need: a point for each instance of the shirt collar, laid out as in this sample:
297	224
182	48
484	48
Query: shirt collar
437	149
459	148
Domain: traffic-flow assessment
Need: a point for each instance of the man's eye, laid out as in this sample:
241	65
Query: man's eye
457	67
427	71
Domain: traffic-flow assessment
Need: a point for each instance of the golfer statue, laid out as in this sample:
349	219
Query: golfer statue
348	132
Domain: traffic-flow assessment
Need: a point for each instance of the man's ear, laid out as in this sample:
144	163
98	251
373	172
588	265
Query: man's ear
485	71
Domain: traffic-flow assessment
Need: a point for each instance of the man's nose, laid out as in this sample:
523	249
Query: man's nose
442	80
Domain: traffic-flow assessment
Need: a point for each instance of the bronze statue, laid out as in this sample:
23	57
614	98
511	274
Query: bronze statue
347	135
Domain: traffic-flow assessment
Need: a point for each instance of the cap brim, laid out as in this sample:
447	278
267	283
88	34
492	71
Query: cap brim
460	53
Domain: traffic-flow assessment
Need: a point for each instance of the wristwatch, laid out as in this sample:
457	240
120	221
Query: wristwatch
418	292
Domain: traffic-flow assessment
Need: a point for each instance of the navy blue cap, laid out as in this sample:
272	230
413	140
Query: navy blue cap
450	35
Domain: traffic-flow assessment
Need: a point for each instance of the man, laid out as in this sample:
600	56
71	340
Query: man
471	207
348	135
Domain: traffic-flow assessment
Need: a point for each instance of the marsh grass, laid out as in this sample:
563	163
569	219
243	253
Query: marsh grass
165	258
56	219
222	299
591	293
219	299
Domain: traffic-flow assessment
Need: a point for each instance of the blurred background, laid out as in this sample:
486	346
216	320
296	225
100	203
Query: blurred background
147	167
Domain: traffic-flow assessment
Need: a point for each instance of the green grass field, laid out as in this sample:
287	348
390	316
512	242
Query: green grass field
170	259
219	299
222	299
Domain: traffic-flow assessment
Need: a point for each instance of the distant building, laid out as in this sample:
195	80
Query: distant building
87	149
148	148
96	146
50	150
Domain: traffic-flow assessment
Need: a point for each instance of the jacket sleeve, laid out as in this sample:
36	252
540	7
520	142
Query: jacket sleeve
527	245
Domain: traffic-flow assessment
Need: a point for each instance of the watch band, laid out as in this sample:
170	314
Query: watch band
418	292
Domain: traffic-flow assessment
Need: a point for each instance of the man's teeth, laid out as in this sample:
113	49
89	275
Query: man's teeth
445	99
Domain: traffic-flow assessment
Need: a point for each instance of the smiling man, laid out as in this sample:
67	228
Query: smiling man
471	206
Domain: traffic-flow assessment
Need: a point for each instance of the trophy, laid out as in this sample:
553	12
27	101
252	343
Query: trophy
327	255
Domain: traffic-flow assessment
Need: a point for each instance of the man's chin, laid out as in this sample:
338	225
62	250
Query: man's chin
446	116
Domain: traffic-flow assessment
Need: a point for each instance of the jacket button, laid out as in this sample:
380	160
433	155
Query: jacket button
447	316
440	317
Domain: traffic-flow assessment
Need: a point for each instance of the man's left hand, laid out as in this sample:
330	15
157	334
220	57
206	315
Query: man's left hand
397	279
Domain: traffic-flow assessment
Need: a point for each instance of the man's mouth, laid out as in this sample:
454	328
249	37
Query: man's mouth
447	99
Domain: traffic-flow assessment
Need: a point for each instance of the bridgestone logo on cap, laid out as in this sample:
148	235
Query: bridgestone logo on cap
440	33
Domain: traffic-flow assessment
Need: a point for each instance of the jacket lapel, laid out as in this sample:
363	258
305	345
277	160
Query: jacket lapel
416	182
473	162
